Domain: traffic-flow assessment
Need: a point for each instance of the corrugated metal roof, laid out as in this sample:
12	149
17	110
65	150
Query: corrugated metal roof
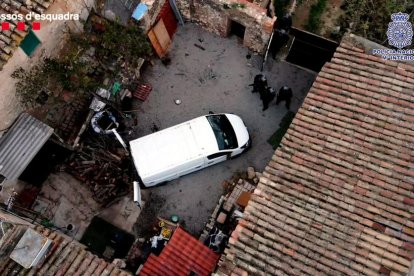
183	254
20	145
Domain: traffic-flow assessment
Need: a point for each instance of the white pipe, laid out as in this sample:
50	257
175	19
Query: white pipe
137	194
119	139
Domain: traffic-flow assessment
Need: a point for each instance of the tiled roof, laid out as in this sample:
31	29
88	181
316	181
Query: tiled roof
337	197
11	39
67	257
181	255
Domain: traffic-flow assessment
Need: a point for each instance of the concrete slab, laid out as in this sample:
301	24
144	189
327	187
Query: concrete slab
123	214
64	200
215	79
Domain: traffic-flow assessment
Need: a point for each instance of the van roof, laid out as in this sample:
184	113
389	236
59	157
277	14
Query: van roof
173	146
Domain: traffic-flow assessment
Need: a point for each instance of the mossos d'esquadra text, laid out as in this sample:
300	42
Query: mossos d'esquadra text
34	16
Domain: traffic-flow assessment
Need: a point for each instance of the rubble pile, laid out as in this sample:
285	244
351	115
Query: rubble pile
107	173
230	207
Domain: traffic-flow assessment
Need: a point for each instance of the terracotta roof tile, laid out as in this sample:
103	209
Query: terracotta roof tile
14	37
337	196
66	257
184	254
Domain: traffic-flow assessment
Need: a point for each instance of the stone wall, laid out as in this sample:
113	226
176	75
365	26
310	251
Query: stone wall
154	8
184	6
217	16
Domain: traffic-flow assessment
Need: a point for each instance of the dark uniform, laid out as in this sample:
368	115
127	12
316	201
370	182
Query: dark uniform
259	84
285	94
279	40
281	34
267	97
285	23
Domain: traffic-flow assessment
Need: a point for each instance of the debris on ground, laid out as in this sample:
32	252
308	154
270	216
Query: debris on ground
199	46
229	209
250	173
148	218
153	242
106	171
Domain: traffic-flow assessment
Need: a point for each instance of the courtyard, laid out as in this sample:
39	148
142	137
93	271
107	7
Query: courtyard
214	77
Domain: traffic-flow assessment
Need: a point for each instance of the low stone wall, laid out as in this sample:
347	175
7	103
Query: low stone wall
216	16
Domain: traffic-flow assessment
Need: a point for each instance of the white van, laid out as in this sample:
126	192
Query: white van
175	151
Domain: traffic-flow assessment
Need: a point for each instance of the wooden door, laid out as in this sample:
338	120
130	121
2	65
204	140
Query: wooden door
160	39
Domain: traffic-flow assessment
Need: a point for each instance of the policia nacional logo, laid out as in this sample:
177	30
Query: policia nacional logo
400	31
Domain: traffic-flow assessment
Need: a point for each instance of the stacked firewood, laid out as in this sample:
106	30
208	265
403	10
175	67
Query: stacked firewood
108	174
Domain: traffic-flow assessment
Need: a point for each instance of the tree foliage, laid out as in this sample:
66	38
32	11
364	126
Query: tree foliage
315	14
120	41
49	77
76	70
370	18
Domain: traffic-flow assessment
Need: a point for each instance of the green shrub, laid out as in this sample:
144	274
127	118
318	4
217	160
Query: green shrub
315	14
370	18
128	42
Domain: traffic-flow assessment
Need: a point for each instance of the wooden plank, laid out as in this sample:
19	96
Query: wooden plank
155	44
162	35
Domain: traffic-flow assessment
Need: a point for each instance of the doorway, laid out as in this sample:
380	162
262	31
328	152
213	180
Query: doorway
237	29
310	51
107	240
44	162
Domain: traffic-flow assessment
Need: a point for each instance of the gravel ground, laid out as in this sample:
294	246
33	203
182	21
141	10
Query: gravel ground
215	79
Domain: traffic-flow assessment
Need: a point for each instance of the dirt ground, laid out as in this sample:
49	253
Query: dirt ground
215	79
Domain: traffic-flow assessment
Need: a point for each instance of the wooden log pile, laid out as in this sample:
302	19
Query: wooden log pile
108	174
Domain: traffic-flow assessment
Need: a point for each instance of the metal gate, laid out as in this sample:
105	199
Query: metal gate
309	50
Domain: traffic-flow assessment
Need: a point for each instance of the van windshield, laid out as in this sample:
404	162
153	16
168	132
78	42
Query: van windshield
224	132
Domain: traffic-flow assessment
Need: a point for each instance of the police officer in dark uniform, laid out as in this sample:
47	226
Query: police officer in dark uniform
267	97
285	94
259	84
281	34
285	23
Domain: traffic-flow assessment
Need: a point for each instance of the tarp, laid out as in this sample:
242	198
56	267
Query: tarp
140	11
